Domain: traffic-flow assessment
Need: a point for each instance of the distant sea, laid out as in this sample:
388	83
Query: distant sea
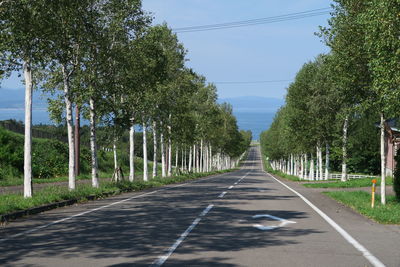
256	122
39	116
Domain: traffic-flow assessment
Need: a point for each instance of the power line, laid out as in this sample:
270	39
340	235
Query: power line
266	20
251	82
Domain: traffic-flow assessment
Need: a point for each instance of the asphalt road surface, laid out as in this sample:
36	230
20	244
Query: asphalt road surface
243	218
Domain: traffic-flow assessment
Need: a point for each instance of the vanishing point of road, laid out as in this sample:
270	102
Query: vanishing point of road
242	218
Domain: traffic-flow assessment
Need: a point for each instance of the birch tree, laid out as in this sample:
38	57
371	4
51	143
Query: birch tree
21	47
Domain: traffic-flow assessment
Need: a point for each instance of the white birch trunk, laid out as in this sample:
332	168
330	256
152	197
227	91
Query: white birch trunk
197	160
211	158
115	153
312	177
321	173
383	161
154	149
28	131
132	151
190	158
176	158
344	149
201	155
162	143
327	161
93	144
169	157
70	130
145	170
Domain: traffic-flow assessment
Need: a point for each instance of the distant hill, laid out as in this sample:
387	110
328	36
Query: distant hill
254	103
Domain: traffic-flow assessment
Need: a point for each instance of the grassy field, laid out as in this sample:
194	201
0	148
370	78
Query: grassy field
360	201
14	202
364	182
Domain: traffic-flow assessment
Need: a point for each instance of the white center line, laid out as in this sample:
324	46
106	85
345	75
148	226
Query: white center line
160	261
222	194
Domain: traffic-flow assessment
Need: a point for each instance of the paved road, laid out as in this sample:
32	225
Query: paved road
208	222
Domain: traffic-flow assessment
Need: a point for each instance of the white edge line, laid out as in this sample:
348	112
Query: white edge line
160	261
100	208
368	255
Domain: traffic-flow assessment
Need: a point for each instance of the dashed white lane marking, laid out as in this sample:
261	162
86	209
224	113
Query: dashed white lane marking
230	187
160	261
368	255
222	194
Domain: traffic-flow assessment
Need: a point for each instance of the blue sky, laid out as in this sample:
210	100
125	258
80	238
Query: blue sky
263	52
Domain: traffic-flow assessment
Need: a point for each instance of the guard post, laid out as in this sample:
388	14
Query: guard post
373	193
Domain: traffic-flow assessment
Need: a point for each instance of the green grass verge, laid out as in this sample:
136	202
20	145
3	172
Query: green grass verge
364	182
16	202
19	181
360	201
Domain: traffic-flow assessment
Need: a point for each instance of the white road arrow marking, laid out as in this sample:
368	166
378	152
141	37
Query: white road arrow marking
282	221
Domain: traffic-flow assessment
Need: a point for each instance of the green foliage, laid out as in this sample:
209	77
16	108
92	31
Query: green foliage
360	201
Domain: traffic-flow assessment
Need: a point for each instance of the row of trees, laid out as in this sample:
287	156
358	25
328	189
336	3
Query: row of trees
105	59
357	81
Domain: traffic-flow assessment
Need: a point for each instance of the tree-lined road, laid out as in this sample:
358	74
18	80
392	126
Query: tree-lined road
208	222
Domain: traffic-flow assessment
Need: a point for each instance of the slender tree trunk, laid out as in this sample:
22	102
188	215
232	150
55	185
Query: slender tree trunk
115	153
312	177
70	129
344	149
163	169
327	161
132	151
321	173
190	158
197	160
93	143
28	130
145	170
305	173
176	157
154	149
169	148
182	161
211	158
383	161
169	156
201	155
77	140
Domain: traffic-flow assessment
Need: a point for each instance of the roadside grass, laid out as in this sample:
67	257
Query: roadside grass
15	202
12	181
363	182
269	169
360	201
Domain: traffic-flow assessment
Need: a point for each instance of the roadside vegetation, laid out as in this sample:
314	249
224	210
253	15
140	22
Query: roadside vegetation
364	182
105	61
360	201
342	106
